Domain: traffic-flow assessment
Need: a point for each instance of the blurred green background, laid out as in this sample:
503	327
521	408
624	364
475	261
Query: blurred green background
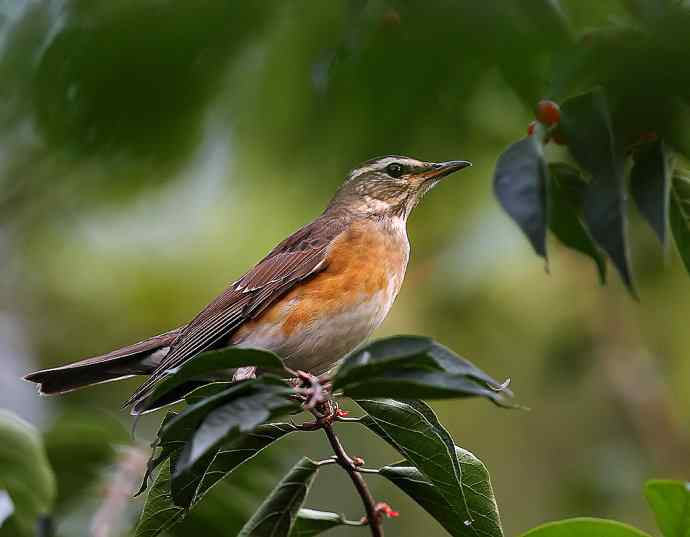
151	151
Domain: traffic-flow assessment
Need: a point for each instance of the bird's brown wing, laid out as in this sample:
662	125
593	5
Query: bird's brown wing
298	257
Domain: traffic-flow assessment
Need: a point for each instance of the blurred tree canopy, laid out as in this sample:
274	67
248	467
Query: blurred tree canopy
151	151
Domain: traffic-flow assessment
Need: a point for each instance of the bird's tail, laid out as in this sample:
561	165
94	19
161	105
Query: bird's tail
138	359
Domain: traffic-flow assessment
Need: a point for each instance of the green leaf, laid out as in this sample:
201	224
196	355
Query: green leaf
680	215
413	429
584	527
239	414
410	366
478	493
277	515
586	125
94	436
200	407
566	190
519	184
209	364
650	183
160	512
168	502
670	501
25	475
228	458
310	522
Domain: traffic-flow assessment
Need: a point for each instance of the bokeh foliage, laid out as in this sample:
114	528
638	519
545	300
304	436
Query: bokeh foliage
151	151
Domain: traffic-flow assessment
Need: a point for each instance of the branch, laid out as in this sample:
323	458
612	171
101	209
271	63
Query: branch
315	393
347	464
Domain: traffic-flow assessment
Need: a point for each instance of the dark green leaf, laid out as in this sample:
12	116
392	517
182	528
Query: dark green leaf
190	488
162	450
566	190
381	355
670	501
310	522
412	428
409	366
200	407
25	474
680	215
650	183
584	527
208	365
478	493
277	515
586	125
169	502
237	415
160	512
519	184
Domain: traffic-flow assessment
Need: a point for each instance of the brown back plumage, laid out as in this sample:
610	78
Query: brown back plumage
298	257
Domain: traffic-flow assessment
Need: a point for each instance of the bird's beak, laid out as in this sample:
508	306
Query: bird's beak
441	169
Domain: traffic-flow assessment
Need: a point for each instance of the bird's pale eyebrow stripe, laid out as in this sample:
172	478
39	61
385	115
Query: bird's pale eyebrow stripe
380	164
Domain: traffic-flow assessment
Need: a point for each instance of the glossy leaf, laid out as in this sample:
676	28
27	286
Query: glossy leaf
650	183
519	185
413	429
188	492
566	190
277	515
670	501
25	475
584	527
237	416
586	125
169	502
209	365
410	366
160	512
310	522
478	493
192	416
680	215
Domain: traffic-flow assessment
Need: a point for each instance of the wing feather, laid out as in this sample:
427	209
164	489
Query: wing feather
298	257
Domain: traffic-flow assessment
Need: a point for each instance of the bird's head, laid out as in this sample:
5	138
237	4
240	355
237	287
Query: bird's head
392	185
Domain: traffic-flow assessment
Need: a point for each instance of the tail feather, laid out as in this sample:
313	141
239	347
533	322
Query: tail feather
138	359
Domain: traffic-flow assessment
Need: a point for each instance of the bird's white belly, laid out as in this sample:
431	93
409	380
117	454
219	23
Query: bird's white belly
318	345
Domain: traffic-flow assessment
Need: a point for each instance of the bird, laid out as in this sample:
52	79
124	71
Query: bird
314	298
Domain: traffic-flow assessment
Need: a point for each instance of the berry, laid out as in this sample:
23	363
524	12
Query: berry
342	413
530	128
548	112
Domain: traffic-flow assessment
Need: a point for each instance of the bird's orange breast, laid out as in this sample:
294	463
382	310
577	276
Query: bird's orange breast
365	266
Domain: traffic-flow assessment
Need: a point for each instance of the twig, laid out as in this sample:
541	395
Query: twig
316	396
346	462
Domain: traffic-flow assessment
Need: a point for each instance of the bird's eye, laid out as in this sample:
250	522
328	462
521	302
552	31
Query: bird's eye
394	169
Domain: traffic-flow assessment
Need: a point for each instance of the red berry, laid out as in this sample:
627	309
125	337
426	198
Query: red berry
530	128
548	112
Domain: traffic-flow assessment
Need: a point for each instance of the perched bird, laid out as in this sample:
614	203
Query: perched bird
314	298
